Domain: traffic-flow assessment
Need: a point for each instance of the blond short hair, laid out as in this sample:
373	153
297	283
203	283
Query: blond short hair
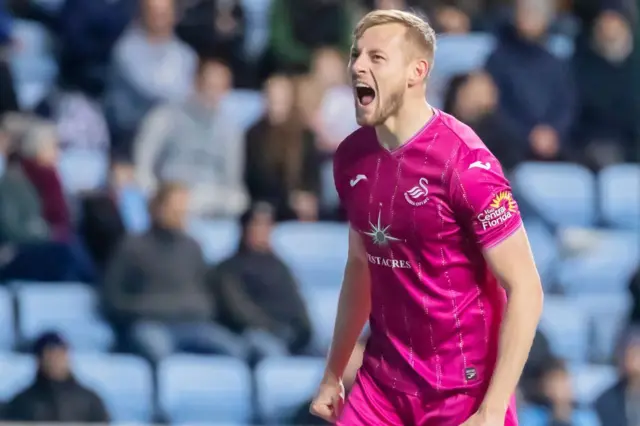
418	30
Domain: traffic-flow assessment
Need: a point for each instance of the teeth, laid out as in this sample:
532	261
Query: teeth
366	86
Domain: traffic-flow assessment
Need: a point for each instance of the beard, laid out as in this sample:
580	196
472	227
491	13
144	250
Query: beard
385	108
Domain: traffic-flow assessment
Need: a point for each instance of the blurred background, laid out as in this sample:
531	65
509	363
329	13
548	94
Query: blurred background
171	245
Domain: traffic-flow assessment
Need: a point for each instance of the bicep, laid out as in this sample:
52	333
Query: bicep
511	261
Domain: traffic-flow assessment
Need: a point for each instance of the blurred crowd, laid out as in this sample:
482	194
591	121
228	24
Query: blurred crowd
166	110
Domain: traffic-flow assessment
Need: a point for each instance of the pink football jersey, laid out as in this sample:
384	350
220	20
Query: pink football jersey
425	212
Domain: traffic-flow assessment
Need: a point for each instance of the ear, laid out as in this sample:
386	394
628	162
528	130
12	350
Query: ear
418	71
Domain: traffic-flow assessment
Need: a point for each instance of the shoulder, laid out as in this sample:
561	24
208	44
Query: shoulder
463	145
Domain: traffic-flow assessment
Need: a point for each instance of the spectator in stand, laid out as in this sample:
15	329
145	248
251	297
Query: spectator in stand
282	165
154	287
258	295
536	90
300	27
149	65
218	26
620	405
55	395
558	402
330	105
198	143
473	99
606	129
38	157
80	120
539	358
34	216
108	214
88	30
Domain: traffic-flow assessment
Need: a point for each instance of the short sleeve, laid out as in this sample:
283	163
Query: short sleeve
482	199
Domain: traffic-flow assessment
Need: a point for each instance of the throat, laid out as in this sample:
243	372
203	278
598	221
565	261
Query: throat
398	131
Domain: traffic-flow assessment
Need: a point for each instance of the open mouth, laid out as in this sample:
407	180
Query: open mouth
365	94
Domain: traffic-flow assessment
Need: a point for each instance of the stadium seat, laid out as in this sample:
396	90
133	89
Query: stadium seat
133	209
257	13
561	46
7	323
605	266
619	188
245	106
322	303
124	382
18	371
218	238
590	381
330	199
538	416
198	389
561	193
457	54
566	327
33	65
284	384
317	252
82	170
545	250
70	309
608	315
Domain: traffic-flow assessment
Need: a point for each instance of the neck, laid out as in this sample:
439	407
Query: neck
402	126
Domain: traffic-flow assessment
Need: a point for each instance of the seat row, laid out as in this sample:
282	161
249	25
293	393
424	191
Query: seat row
199	389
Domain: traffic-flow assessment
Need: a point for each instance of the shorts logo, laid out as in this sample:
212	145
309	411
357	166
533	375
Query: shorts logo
500	210
470	373
418	195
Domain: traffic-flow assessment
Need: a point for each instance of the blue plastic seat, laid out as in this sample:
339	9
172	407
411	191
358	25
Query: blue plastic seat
7	323
124	382
83	170
545	250
457	54
590	381
18	371
317	252
244	106
537	416
202	389
566	327
133	208
619	188
561	46
284	384
608	316
322	303
70	309
563	194
606	266
218	238
33	65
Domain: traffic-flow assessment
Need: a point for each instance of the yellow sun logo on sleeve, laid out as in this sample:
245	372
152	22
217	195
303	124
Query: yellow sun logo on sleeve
504	198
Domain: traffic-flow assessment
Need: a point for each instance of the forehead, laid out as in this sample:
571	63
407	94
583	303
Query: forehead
386	37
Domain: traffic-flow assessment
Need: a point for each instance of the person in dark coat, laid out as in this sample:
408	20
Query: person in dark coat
55	395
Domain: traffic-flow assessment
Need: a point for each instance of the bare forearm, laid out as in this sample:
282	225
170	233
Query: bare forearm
516	337
354	307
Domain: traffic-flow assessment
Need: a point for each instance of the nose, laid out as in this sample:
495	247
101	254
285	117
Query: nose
358	66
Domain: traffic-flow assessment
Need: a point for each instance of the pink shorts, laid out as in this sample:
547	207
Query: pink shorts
370	405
